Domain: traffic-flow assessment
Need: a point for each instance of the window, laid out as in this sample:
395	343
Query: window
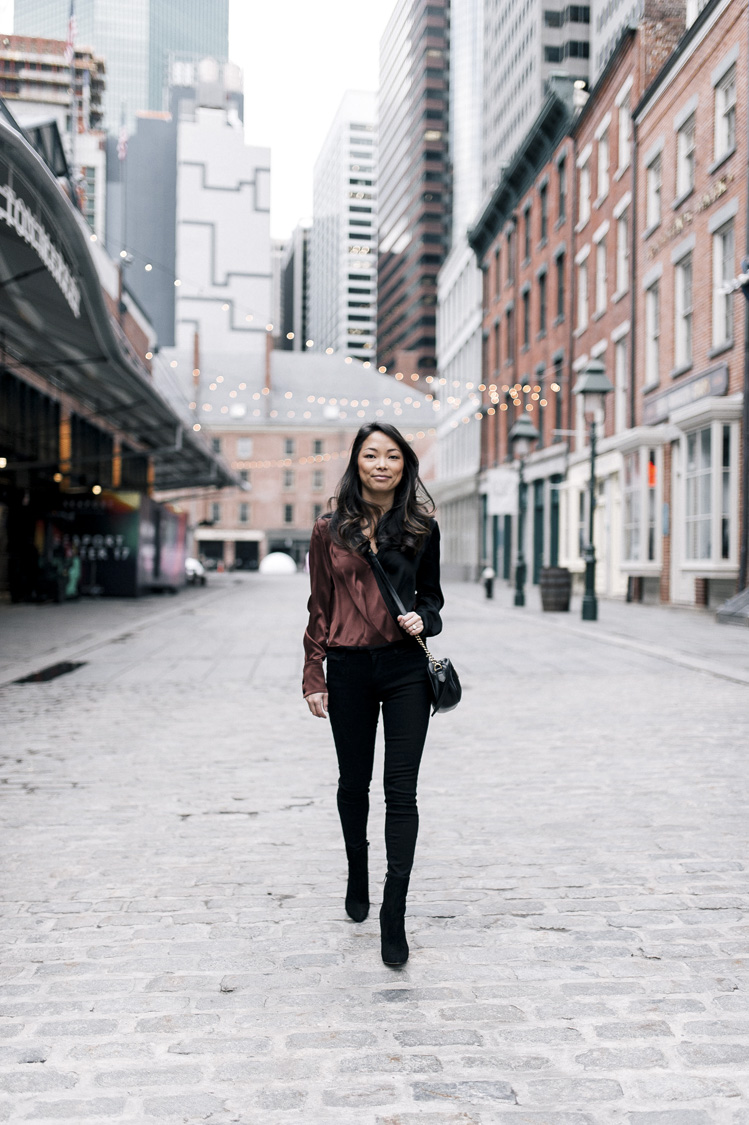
625	132
725	114
556	388
527	234
621	384
685	157
725	493
542	312
584	205
216	512
216	444
582	295
244	447
653	193
509	336
698	501
289	447
526	318
244	476
652	334
603	165
497	272
244	513
317	479
316	512
543	198
622	253
560	262
723	267
497	349
601	276
640	512
317	447
510	261
288	513
288	478
683	312
562	188
632	501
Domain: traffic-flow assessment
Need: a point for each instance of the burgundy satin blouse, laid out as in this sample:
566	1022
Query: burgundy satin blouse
346	608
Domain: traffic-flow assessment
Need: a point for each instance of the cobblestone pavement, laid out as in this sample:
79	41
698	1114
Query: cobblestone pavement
173	877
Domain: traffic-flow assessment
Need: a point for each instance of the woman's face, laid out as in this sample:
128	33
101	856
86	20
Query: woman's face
380	465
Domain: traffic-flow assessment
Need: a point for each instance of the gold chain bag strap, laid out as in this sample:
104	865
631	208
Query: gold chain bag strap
443	678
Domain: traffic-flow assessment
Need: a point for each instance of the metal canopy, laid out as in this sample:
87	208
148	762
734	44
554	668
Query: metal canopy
54	320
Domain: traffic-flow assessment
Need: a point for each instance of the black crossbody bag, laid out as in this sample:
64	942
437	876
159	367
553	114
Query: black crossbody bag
443	679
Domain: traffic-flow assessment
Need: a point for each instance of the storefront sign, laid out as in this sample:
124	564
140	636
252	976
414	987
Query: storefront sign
710	383
686	218
15	213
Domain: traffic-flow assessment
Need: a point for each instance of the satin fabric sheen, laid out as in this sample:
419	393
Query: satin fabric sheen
347	609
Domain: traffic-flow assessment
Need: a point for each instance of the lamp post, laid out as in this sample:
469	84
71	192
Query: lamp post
522	435
593	384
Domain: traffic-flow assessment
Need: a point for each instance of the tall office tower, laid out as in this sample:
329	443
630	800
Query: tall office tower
139	39
343	241
526	42
414	183
459	304
295	291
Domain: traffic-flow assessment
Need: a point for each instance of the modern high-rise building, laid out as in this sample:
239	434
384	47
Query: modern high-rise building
139	39
413	183
343	240
295	290
459	305
526	42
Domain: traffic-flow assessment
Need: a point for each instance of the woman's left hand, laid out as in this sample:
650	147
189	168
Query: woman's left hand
411	623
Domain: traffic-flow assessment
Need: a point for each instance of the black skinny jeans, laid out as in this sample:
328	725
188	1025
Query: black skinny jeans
359	681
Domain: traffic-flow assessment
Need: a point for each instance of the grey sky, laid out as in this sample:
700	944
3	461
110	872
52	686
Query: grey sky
298	58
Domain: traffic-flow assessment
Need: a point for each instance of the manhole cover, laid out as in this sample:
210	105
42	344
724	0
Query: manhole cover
52	672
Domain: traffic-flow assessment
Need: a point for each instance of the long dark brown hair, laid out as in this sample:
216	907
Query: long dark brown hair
406	526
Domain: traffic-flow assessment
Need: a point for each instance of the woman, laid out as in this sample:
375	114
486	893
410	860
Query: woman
381	508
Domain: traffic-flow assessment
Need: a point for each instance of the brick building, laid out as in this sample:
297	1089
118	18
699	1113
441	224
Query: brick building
682	469
614	234
523	240
285	426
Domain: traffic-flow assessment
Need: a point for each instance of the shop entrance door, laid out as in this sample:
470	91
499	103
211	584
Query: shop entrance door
538	529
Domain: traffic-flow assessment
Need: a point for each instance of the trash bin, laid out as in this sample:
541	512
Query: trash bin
556	589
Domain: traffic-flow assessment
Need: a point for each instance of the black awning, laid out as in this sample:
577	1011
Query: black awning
54	320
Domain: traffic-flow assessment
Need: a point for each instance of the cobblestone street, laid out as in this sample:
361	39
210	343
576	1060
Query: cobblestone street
173	876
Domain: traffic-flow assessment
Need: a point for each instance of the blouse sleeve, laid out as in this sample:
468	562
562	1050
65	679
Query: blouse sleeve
429	599
319	606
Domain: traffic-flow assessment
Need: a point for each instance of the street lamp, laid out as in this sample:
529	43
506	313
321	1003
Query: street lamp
522	436
593	384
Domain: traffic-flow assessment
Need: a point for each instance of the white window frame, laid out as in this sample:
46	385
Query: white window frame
654	193
684	311
621	381
724	258
602	277
725	114
583	295
244	512
604	156
244	448
622	253
723	488
584	204
625	133
652	333
642	508
686	156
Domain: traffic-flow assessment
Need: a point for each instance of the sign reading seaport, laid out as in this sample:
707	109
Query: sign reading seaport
16	214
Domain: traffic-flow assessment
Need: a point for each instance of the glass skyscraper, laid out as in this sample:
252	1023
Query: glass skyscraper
138	40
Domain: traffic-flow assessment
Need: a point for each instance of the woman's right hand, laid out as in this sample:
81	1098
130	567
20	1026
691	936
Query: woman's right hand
318	704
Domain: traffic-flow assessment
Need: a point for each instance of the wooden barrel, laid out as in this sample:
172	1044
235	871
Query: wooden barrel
556	588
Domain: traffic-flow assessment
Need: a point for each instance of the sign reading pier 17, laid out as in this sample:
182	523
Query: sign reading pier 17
15	213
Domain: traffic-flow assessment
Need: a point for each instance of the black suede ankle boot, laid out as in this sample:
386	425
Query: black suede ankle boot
357	891
392	920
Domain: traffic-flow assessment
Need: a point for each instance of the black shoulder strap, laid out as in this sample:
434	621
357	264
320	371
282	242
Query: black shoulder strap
388	584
